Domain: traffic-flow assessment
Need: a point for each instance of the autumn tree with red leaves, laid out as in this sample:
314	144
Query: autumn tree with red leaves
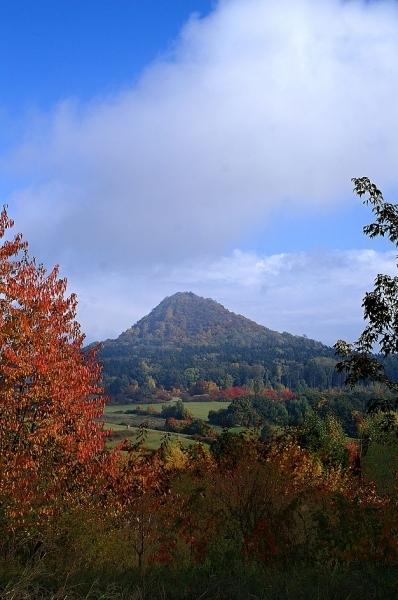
50	392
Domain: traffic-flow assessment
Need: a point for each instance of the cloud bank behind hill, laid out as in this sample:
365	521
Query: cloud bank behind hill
318	294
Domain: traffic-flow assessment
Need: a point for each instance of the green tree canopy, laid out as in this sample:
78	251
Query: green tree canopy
380	305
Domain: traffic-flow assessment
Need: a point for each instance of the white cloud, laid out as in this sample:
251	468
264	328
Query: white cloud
318	294
262	103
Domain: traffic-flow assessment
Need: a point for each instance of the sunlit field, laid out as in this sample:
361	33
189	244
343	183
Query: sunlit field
153	437
199	410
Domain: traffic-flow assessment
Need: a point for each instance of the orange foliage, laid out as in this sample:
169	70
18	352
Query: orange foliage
50	396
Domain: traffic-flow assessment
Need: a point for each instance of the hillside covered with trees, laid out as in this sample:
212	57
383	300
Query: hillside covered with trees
187	339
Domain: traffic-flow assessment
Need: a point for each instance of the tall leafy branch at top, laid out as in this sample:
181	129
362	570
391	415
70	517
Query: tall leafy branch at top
380	305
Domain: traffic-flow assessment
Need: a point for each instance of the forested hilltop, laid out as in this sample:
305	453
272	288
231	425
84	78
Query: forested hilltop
188	343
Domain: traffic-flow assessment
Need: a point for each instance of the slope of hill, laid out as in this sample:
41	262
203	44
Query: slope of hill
185	318
187	338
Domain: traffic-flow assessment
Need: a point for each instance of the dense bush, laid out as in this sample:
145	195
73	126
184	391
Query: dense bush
178	410
178	515
285	408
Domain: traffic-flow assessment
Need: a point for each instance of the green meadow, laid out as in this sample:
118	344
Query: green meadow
125	425
153	439
199	410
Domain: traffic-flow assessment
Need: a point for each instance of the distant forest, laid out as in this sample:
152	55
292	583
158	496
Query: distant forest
184	369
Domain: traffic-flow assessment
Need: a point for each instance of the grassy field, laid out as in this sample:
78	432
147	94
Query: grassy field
128	420
125	425
153	440
199	410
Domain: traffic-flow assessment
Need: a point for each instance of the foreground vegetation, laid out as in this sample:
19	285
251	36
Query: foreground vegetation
302	503
245	519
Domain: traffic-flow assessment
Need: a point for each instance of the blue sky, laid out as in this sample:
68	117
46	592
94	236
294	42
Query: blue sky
152	147
73	48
